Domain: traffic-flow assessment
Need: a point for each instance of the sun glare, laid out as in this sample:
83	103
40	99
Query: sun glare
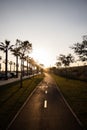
41	56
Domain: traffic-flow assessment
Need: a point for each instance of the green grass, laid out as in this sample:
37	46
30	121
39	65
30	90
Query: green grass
12	98
75	92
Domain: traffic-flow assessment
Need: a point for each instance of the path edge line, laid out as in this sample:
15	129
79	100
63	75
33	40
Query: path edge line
77	119
21	108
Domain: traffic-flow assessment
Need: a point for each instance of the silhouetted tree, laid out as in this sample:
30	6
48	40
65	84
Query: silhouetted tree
32	65
0	63
27	59
0	58
25	48
81	50
23	66
58	64
66	60
14	65
5	47
16	52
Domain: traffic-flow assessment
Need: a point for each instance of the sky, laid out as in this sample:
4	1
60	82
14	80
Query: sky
52	26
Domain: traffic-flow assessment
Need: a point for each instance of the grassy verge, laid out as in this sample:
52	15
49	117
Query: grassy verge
75	92
12	98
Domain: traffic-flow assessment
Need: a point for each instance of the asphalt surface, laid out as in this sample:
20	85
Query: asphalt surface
45	110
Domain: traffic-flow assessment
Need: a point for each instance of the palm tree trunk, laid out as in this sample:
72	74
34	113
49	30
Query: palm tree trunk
21	84
14	66
27	67
0	67
17	66
10	67
6	64
0	63
23	67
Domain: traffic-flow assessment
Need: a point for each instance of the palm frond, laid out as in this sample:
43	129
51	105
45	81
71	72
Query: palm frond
2	46
2	49
2	43
10	47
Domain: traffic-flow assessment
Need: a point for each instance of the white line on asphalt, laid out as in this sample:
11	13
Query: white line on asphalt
45	104
45	91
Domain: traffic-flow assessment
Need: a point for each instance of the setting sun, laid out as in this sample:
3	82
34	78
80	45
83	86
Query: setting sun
41	56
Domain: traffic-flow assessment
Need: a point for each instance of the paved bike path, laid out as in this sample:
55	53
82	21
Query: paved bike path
45	110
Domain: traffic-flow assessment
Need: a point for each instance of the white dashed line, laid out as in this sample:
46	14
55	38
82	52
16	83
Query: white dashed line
46	92
45	104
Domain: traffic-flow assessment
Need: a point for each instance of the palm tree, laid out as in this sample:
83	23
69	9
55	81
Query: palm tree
5	47
16	52
0	58
23	67
14	66
25	48
0	63
27	59
32	65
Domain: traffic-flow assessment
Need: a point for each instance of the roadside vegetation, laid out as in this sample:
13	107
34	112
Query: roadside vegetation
78	72
75	92
12	98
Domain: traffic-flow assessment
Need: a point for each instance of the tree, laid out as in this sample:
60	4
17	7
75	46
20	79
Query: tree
25	48
81	50
66	60
14	65
5	47
16	52
32	65
27	59
58	64
23	66
0	63
0	58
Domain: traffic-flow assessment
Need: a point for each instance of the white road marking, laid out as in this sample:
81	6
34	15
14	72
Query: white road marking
45	91
45	104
